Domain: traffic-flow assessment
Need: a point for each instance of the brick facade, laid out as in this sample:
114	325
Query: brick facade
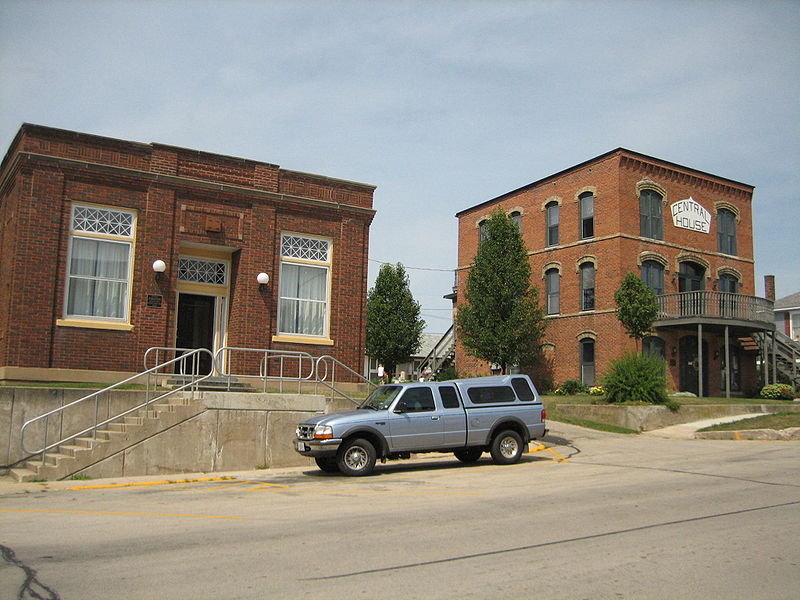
617	247
186	203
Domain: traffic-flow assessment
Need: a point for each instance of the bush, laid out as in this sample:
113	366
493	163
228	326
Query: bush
571	387
447	373
636	378
777	391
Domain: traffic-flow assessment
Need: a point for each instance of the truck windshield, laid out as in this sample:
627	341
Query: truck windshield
381	398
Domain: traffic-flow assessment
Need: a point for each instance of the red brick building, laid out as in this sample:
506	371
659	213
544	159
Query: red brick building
687	233
85	220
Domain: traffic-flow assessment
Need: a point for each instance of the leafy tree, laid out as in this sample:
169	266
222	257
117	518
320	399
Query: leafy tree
637	306
394	327
500	320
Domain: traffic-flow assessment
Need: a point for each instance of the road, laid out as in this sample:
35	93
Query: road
594	515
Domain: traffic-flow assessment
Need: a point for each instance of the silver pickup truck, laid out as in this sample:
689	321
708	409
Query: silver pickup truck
467	417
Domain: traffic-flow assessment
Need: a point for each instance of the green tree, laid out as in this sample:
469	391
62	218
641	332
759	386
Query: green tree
637	306
500	320
394	327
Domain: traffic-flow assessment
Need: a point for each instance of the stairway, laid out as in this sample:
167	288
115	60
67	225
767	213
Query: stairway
83	452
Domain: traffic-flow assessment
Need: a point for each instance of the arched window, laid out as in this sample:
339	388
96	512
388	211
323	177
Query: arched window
726	231
651	219
516	216
587	214
552	279
551	211
654	345
587	286
483	230
653	276
587	361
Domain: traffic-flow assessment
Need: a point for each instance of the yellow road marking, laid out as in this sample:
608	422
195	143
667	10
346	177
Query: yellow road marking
127	514
143	483
543	447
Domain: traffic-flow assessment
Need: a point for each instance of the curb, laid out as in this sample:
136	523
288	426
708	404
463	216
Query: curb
790	434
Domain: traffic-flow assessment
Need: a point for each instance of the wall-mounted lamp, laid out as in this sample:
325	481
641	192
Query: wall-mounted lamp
263	280
674	351
159	267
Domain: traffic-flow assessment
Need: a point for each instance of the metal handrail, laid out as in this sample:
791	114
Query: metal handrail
718	305
149	373
323	379
441	350
223	357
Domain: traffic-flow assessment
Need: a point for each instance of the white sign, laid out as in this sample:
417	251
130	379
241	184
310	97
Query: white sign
688	214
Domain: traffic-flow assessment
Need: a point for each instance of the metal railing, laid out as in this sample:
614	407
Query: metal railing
440	352
267	365
716	305
331	364
187	363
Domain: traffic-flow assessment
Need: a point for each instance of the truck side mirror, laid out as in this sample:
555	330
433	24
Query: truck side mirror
401	408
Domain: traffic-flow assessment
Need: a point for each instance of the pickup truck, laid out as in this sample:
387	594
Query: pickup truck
467	417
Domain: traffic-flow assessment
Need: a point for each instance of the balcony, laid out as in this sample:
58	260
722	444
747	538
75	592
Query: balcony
716	308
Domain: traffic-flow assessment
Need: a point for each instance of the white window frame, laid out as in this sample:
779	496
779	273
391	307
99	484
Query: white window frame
102	233
293	257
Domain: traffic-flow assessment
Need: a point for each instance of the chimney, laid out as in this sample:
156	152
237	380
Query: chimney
769	287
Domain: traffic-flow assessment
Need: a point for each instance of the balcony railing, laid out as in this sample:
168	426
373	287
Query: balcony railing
714	305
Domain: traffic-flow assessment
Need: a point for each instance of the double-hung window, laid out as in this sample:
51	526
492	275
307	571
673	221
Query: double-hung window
653	276
651	215
587	286
726	232
552	280
99	264
304	285
551	214
587	215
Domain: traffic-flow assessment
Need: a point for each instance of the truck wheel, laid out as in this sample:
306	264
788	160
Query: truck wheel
506	448
468	455
327	464
356	457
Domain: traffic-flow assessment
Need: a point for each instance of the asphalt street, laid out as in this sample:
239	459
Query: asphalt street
590	515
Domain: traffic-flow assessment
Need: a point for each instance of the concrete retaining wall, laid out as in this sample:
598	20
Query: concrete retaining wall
235	431
647	418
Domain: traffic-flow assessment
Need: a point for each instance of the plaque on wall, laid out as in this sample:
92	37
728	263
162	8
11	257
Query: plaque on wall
154	300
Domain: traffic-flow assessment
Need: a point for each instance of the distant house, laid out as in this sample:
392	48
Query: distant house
412	366
787	315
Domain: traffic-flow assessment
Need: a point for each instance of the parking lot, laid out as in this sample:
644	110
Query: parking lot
590	515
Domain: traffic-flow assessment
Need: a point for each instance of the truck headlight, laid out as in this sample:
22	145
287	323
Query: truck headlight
323	432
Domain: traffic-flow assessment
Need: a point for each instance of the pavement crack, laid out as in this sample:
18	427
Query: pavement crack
31	587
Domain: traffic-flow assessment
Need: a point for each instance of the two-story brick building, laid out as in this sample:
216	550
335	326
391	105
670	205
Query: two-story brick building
687	233
111	247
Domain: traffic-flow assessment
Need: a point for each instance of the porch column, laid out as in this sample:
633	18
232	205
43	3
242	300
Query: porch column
727	365
774	359
700	359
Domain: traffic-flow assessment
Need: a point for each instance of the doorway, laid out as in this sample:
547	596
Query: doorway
195	328
690	365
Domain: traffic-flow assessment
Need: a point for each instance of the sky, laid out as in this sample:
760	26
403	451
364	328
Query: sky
441	105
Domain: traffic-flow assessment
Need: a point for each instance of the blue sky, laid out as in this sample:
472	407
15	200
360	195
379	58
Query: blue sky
442	105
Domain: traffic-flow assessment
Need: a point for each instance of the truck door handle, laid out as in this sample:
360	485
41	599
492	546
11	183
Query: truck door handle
434	418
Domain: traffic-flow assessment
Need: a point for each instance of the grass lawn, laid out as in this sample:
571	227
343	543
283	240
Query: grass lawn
587	399
781	420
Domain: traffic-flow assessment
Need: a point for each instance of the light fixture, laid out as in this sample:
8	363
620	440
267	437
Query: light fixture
263	280
159	267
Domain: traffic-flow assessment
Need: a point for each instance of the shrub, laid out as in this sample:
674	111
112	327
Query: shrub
447	373
777	391
636	378
572	387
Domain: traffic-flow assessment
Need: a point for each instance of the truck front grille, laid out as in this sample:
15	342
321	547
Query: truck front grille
305	432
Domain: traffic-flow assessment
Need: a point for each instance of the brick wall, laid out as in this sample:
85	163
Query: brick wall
244	216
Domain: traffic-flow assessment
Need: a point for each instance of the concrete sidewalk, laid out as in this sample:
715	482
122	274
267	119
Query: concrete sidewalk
686	431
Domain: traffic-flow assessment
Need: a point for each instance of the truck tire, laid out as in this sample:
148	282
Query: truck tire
506	447
356	457
327	464
468	455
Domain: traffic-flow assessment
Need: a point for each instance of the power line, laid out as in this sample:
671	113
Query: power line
382	262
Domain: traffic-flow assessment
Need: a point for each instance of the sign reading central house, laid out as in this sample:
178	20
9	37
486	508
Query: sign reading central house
688	214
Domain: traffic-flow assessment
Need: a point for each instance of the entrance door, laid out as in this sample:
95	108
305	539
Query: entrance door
196	327
687	349
691	278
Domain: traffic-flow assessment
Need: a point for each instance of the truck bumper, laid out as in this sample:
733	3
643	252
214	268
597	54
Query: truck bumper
316	447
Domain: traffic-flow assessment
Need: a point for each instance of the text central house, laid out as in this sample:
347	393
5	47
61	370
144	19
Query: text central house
111	247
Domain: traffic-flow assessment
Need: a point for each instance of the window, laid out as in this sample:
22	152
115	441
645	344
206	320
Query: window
303	304
552	280
653	276
587	361
516	216
587	215
524	391
726	231
587	286
449	397
418	399
483	230
551	211
491	395
98	282
654	345
651	220
202	270
728	283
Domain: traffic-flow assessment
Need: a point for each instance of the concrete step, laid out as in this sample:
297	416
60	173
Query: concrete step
89	442
22	475
72	450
